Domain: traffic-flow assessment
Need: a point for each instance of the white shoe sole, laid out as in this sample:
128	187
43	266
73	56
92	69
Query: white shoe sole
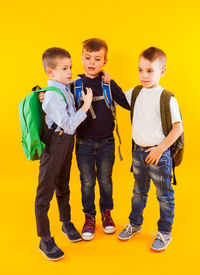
51	258
72	241
109	231
128	238
161	249
87	238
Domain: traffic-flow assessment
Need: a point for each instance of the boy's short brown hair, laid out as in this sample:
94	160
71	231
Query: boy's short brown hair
50	55
154	53
95	44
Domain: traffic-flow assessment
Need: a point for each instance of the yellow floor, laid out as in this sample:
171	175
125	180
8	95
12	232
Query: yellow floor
105	254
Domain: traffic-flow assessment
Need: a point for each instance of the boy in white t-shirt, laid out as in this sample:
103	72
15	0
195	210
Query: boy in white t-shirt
151	152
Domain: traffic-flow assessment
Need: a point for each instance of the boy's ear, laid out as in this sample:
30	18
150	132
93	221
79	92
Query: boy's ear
105	62
163	70
49	72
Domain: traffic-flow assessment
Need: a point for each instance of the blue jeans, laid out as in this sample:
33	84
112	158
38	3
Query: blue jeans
95	159
161	176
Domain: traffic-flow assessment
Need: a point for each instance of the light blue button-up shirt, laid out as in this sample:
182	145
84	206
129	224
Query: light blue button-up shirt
62	113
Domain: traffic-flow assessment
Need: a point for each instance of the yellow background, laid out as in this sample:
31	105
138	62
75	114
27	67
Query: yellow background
27	29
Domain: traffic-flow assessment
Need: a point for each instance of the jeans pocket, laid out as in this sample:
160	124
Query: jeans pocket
164	159
110	140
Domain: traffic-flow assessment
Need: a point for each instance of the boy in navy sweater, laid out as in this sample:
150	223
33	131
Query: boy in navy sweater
95	146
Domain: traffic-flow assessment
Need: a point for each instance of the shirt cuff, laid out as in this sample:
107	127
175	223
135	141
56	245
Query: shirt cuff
82	114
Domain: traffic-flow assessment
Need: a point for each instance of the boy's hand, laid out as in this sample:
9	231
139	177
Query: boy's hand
41	96
154	155
106	77
87	98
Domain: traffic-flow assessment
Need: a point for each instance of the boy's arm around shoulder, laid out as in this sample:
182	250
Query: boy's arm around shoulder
118	95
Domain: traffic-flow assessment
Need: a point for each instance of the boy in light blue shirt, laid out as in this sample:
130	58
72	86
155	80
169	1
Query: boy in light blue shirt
55	162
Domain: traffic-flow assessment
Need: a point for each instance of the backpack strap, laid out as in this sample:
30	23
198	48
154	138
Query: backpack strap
166	120
134	95
50	88
165	112
48	135
78	87
107	93
110	104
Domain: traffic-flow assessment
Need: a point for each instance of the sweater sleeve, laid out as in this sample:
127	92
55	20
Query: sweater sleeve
118	95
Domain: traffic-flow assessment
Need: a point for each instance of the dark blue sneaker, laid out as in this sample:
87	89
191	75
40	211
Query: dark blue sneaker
70	231
50	250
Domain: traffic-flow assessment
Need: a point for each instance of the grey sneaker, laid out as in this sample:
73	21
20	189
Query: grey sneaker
161	241
129	232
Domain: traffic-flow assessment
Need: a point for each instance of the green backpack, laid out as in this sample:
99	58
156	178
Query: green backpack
32	120
177	149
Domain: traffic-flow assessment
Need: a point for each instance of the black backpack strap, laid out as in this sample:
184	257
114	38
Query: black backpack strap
165	112
166	120
174	176
134	95
48	136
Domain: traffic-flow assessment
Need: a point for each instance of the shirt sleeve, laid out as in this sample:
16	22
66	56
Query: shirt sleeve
118	95
174	109
128	95
57	109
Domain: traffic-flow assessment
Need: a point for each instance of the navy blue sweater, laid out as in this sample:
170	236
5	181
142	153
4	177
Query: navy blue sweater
103	125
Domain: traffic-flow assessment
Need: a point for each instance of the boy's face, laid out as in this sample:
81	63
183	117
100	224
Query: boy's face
93	62
150	72
63	71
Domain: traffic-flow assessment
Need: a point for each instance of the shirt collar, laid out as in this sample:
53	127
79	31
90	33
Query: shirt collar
56	84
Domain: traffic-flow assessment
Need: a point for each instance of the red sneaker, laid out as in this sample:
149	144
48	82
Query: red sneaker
108	224
88	228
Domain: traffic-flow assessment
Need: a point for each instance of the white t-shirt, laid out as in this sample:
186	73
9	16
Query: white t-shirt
146	126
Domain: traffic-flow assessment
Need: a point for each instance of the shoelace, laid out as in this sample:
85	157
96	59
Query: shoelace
89	224
107	219
160	237
129	228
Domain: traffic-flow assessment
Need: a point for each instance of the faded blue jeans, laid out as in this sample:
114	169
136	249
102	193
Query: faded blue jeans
161	176
95	159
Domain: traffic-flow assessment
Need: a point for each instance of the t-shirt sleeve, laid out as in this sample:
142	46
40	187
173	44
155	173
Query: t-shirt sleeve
175	112
128	95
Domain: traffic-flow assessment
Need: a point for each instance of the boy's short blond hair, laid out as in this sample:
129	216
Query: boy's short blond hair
95	44
50	55
154	53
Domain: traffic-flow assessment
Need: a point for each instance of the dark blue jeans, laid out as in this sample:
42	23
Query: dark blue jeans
95	159
161	176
